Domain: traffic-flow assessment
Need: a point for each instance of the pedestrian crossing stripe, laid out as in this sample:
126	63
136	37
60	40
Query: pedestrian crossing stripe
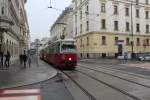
32	91
26	94
21	98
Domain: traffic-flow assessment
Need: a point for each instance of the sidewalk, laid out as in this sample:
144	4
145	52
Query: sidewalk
16	75
110	61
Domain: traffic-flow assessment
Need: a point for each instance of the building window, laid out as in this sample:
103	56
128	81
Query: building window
87	9
115	10
80	14
103	40
127	26
116	40
127	12
103	9
147	14
81	42
138	41
7	45
147	28
103	24
147	42
87	25
2	11
137	13
76	18
80	1
80	28
116	25
137	27
146	2
87	41
137	2
127	41
76	31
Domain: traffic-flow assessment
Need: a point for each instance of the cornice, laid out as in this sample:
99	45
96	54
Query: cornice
111	33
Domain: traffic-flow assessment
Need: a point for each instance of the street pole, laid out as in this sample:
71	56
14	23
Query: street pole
132	30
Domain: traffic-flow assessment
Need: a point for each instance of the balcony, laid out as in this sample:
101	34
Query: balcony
5	23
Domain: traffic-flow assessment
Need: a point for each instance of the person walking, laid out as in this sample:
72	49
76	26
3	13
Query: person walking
2	57
7	59
21	58
24	59
29	60
125	57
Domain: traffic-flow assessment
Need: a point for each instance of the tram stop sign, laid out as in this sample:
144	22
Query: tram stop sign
27	94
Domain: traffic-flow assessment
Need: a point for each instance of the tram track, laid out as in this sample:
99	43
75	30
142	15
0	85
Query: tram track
146	86
90	96
111	86
110	67
120	89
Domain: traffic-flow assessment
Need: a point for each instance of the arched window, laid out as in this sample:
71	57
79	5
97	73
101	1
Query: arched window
7	45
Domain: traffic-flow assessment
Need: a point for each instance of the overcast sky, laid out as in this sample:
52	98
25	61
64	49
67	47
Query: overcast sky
41	18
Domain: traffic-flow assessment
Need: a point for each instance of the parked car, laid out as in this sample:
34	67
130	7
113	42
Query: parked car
145	57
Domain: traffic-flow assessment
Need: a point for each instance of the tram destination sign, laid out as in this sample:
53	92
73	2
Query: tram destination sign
68	43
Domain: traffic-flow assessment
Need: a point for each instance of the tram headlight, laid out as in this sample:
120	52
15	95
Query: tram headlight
70	59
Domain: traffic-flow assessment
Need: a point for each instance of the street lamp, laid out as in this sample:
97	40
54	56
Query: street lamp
144	44
132	31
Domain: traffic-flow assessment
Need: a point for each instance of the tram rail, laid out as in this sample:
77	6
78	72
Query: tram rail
116	76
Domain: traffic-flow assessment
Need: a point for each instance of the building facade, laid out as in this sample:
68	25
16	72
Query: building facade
63	27
99	24
14	29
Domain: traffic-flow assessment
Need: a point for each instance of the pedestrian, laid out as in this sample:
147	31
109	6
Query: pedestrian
29	60
7	59
21	58
125	56
24	59
2	56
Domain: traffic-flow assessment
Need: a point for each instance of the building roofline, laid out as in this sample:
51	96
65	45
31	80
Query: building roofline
67	10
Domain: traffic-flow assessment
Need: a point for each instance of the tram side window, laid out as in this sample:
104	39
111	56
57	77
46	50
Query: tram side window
57	48
51	50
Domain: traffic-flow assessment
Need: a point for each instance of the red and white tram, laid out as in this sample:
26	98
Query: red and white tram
61	54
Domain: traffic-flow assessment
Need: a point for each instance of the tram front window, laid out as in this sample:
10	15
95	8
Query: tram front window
68	48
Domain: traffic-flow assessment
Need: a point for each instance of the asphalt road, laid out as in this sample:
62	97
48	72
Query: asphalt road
53	89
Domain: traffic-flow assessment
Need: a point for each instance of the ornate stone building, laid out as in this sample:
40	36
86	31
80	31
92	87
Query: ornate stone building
63	26
14	29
